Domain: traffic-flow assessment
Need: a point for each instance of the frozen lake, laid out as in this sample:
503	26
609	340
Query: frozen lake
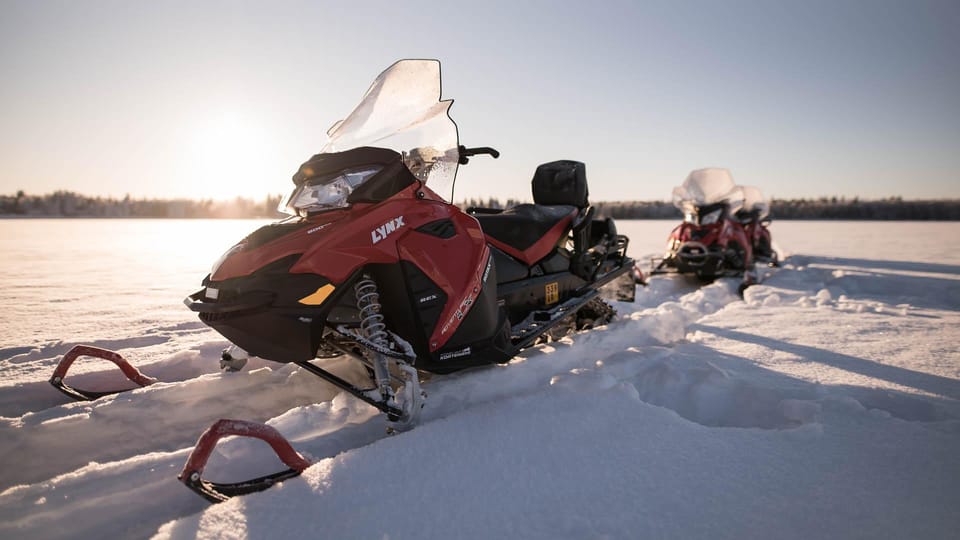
823	404
76	280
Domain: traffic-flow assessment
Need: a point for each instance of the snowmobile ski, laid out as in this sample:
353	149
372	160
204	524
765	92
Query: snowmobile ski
132	373
192	473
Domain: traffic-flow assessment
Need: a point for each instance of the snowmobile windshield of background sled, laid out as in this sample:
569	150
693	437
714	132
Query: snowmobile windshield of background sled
402	111
706	187
753	201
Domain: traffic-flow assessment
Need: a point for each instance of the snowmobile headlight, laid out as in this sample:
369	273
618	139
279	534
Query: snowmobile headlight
332	195
689	217
712	217
326	194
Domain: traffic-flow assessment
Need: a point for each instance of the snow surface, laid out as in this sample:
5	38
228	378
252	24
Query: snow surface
825	404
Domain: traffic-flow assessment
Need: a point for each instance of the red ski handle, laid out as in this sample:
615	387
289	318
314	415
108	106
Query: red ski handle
77	351
192	472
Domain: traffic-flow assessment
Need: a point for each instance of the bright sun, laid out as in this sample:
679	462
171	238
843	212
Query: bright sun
232	157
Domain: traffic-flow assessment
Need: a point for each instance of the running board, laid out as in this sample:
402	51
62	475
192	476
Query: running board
606	278
524	333
77	351
192	473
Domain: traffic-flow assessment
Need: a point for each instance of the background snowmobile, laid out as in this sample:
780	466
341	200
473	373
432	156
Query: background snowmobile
755	218
710	243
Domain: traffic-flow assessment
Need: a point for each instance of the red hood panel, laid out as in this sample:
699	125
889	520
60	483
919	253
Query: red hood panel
335	244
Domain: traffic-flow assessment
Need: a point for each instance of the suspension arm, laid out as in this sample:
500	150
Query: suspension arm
391	411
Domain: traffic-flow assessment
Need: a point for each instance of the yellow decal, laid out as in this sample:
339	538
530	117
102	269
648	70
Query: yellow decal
553	293
318	297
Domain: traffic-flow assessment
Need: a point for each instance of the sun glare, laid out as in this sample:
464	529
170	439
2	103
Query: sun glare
232	158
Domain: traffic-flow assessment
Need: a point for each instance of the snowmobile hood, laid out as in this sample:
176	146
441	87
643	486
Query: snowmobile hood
271	243
333	243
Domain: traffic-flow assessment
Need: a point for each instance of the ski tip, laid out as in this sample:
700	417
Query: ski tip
639	277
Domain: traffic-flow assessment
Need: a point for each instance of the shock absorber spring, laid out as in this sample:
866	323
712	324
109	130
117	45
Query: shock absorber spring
373	328
368	302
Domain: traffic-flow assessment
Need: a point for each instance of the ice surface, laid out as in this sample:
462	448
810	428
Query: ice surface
826	403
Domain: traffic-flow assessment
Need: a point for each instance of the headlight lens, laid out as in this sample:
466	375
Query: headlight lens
332	195
326	194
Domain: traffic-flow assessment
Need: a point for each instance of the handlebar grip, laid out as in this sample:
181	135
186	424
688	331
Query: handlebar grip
465	153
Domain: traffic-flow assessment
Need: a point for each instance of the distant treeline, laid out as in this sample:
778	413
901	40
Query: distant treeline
893	208
69	204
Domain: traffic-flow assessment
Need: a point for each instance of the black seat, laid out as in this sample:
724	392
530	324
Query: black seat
528	231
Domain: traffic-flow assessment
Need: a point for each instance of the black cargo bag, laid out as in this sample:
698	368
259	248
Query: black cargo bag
561	182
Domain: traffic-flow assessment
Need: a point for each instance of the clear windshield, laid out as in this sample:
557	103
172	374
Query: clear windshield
707	186
402	111
753	201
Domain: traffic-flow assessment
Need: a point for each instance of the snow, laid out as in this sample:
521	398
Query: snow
826	403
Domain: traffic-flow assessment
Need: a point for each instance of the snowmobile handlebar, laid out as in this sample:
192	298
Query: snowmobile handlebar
466	153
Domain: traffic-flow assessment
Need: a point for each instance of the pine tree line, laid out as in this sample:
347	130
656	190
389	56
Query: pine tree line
70	204
893	208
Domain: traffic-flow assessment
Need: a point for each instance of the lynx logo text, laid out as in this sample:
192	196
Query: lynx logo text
386	229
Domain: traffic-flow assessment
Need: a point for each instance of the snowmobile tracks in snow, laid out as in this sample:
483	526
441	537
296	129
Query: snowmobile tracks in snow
191	474
146	459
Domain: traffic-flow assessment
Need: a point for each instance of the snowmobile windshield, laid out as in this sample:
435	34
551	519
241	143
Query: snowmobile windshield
402	111
754	202
704	187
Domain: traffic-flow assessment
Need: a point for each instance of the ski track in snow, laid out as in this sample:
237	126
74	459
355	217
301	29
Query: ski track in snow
645	394
60	437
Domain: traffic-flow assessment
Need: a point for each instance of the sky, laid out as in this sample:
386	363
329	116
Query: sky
219	99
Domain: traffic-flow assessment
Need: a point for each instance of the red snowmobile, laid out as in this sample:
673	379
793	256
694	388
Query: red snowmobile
755	218
711	242
376	263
